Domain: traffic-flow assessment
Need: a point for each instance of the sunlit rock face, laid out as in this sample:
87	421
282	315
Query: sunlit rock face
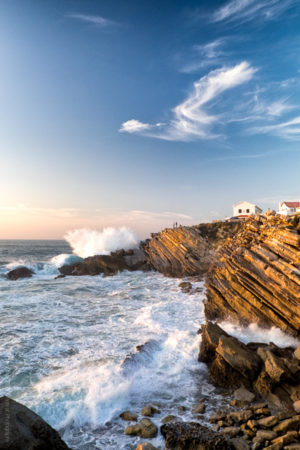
187	251
256	277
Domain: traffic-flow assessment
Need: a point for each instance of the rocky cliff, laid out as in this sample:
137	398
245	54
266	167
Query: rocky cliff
187	251
257	275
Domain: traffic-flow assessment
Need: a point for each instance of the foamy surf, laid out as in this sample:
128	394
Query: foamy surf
65	341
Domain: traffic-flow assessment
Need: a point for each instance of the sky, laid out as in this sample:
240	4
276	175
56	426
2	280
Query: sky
144	113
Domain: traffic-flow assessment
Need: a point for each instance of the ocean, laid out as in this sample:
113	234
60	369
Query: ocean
63	342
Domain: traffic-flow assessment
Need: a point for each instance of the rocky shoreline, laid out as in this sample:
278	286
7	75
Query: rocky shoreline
252	272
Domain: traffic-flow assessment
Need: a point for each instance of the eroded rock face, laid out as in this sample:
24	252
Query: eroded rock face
269	371
187	251
257	276
20	272
22	429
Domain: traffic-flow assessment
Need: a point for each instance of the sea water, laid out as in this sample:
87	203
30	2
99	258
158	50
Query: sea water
63	343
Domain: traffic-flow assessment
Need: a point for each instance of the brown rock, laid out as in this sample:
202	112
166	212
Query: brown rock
20	272
242	394
264	435
296	406
169	418
149	411
146	446
199	409
191	436
256	276
297	353
187	251
289	424
130	416
230	431
211	333
290	436
145	428
268	422
241	416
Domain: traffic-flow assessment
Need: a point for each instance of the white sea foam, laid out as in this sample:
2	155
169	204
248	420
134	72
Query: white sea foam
85	242
254	333
64	258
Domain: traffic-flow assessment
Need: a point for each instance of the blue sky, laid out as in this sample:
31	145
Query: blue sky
144	113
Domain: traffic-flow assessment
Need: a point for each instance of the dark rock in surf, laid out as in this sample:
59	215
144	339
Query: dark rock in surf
20	272
22	429
142	356
108	264
193	436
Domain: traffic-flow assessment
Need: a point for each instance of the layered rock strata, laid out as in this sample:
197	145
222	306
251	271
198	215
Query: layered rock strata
256	277
187	251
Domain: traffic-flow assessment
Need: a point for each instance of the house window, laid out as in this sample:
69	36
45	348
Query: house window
247	211
240	211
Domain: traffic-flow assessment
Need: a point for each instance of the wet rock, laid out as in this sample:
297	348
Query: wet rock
145	428
192	436
146	446
242	394
289	424
241	416
129	416
268	422
199	409
240	444
169	418
143	355
22	429
211	333
264	435
181	408
290	436
20	272
149	411
108	264
230	431
219	415
186	287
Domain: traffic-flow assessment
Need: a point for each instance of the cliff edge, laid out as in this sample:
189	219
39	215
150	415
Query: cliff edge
256	277
187	251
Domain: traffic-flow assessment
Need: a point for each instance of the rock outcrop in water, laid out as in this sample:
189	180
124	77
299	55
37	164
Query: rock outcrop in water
187	251
257	275
20	272
22	429
108	264
273	373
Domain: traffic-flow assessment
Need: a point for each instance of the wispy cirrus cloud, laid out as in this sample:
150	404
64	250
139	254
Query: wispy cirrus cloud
247	10
203	55
191	119
99	21
289	129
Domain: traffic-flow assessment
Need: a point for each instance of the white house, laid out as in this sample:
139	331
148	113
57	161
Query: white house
244	209
288	208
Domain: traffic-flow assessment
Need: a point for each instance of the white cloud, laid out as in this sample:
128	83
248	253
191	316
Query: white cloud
204	55
100	21
247	10
134	126
191	120
289	129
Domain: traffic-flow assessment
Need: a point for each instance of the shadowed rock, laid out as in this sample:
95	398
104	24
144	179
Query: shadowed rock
20	272
22	429
193	436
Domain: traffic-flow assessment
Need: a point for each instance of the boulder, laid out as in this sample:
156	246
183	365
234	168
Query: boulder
186	287
20	272
193	436
242	394
211	333
297	352
129	416
149	411
296	406
169	418
22	429
145	428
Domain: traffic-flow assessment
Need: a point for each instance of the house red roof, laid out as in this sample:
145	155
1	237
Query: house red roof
291	204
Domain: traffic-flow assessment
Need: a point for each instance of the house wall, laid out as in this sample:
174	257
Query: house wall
244	208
